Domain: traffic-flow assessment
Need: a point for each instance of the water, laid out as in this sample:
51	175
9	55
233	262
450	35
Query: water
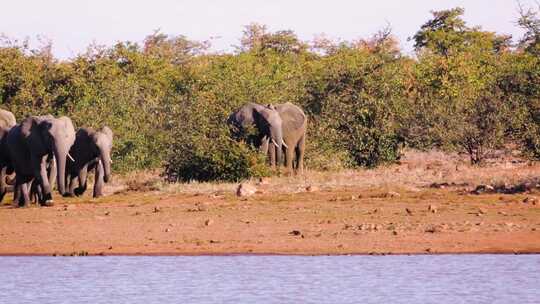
272	279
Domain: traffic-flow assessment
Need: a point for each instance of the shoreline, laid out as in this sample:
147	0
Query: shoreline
210	254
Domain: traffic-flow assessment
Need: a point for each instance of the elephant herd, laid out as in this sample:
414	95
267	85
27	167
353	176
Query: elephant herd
42	149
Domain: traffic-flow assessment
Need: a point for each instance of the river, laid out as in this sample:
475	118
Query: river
271	279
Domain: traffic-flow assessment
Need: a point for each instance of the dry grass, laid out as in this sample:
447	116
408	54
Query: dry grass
415	170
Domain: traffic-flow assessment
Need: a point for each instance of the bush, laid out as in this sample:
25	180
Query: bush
355	101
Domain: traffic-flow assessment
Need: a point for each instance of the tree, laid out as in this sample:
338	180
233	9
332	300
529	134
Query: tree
529	20
448	33
256	38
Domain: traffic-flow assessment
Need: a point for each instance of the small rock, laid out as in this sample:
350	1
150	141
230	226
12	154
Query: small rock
483	189
432	208
208	222
263	181
295	233
167	230
245	190
431	229
439	185
312	188
409	211
107	212
530	200
391	194
157	209
394	232
69	207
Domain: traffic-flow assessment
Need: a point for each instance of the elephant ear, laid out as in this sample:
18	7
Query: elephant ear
107	131
3	132
26	126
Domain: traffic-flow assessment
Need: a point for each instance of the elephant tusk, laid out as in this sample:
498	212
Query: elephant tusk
68	155
110	160
282	142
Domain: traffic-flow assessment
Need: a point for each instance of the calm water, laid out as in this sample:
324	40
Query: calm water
272	279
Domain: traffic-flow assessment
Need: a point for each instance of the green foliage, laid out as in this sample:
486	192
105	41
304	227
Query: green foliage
168	99
355	99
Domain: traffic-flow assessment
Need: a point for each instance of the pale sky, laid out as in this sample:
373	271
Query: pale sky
73	24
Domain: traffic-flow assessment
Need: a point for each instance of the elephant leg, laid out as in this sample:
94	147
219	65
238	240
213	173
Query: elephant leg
289	155
272	155
52	171
35	192
23	197
83	177
42	180
3	185
70	179
266	149
300	149
99	182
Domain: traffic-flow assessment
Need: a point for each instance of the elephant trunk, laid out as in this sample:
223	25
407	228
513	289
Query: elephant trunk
105	157
276	136
60	154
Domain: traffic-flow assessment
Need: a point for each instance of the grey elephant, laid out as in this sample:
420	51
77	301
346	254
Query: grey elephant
7	119
294	126
6	166
91	151
32	144
266	122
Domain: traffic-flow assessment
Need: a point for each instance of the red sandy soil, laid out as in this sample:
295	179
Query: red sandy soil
380	211
341	220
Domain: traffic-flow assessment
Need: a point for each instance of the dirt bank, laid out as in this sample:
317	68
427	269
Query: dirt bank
423	205
326	222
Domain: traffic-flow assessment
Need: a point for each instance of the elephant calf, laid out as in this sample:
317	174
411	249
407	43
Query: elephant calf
91	151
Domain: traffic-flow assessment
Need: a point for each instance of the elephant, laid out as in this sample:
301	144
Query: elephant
7	119
294	126
91	151
32	144
6	166
267	123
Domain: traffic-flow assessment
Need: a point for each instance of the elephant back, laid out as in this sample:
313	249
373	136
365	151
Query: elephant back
292	116
7	119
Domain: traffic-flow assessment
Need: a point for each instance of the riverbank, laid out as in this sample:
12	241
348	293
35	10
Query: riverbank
411	208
